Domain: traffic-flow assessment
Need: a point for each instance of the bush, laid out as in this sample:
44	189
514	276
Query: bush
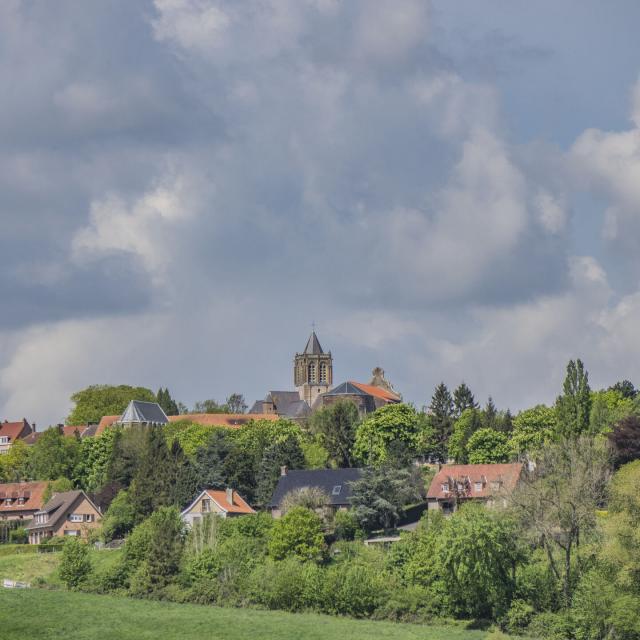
279	585
75	565
120	517
345	525
407	604
297	534
550	626
353	589
18	536
518	617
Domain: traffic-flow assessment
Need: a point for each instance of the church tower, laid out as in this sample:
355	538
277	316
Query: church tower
312	370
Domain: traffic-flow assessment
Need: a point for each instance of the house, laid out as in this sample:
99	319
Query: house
367	397
335	483
147	414
70	513
20	500
12	431
225	503
286	404
457	483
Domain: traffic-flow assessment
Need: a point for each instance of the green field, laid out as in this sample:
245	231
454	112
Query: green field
37	614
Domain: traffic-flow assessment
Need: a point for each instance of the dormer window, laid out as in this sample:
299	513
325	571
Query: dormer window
336	490
20	500
7	502
478	486
460	486
4	439
495	485
445	487
206	505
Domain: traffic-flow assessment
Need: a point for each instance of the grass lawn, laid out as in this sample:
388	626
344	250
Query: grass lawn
37	614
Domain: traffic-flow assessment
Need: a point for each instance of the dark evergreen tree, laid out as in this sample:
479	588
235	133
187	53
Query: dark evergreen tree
125	456
573	407
490	415
183	480
625	440
336	427
441	412
168	404
239	471
504	421
625	388
463	399
286	453
209	461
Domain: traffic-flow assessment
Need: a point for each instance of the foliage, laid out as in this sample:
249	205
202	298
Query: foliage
489	415
297	534
336	427
380	494
441	412
168	404
464	427
532	429
15	464
95	456
57	486
573	407
190	435
346	525
625	388
19	536
209	460
119	518
392	433
315	455
235	403
607	408
312	498
99	400
286	453
625	440
75	565
487	446
54	456
463	400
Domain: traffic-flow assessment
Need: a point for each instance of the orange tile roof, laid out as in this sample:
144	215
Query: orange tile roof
238	504
378	392
14	429
229	420
71	430
32	492
105	421
468	474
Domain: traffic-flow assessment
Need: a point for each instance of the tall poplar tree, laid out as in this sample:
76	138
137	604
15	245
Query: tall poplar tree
574	405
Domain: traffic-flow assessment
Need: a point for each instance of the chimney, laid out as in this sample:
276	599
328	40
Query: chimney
33	427
283	471
229	495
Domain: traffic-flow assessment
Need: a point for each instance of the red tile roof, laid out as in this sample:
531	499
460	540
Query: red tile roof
69	430
32	493
238	505
377	392
15	430
229	420
105	421
467	475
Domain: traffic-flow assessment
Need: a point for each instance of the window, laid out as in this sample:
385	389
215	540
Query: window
206	505
445	486
323	372
460	486
478	486
20	500
7	502
71	532
76	517
336	490
88	517
495	485
312	372
4	439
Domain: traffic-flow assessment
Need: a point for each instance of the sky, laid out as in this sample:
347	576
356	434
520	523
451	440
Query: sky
448	190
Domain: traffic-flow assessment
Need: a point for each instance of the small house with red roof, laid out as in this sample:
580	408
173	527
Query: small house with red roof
20	500
454	484
12	431
225	503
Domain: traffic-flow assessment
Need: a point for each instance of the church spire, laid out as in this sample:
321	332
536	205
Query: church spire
313	345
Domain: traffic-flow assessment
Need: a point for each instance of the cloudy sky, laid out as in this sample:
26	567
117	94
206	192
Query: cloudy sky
450	190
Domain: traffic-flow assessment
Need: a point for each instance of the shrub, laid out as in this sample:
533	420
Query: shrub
18	536
298	534
353	589
412	603
75	565
550	626
518	617
279	585
345	525
119	518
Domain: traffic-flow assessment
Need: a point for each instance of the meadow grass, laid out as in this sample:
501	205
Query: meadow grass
40	614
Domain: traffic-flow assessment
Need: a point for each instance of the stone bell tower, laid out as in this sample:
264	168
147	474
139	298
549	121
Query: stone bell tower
312	370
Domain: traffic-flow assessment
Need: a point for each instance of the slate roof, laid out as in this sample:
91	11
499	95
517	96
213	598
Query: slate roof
58	508
506	475
289	404
349	389
313	345
326	479
143	412
32	493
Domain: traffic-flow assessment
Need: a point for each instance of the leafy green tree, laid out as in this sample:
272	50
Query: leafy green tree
487	446
286	453
75	564
625	440
54	455
463	399
168	404
464	427
57	486
532	429
236	403
119	518
209	406
573	407
297	534
95	457
190	435
336	427
379	496
607	408
625	388
104	400
441	413
393	432
15	465
239	471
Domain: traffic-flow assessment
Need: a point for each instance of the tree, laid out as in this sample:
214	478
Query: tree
286	453
441	411
393	432
490	415
488	446
126	452
236	403
104	400
16	463
54	455
336	426
313	498
168	404
574	405
378	497
297	534
119	518
57	486
95	457
209	406
75	565
209	461
464	427
556	502
182	476
625	388
607	408
625	440
463	399
532	429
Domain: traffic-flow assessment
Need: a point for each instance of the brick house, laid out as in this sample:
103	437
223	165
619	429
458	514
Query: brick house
12	431
69	513
457	483
20	500
225	503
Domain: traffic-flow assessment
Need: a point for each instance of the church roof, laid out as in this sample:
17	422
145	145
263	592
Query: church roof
313	345
143	412
347	388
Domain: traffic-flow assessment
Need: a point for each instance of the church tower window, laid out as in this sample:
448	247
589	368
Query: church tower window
323	373
312	372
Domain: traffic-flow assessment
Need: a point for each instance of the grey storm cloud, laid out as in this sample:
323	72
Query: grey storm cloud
195	181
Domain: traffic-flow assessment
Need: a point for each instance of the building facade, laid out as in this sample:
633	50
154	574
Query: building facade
312	371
